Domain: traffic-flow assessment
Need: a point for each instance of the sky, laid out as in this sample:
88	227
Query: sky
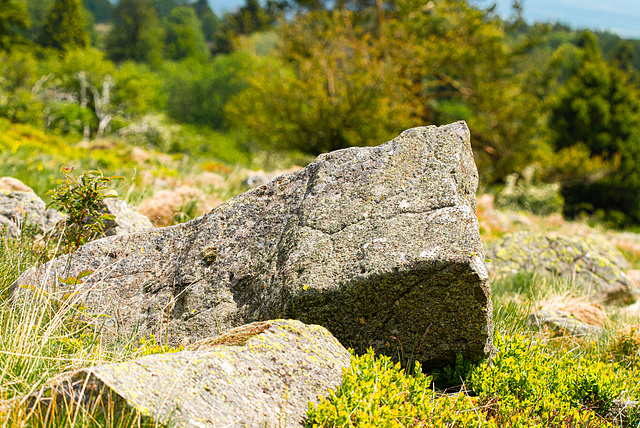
618	16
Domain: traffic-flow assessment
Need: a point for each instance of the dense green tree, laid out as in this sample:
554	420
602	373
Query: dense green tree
184	36
101	9
209	21
250	18
197	92
19	71
13	16
64	27
329	87
136	34
599	111
38	11
164	7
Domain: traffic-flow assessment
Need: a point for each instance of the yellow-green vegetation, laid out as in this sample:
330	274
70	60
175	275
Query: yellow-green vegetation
525	385
180	102
34	156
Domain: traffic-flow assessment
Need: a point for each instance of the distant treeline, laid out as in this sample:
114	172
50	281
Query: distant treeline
312	76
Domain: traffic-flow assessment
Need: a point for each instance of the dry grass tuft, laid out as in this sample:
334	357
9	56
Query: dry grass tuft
584	311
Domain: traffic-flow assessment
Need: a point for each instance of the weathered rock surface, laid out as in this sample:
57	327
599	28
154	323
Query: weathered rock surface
18	208
127	220
378	244
261	374
593	262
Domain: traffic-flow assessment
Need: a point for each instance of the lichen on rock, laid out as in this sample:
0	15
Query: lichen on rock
267	378
594	264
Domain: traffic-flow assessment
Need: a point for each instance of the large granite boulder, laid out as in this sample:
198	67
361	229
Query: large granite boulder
261	374
378	244
591	261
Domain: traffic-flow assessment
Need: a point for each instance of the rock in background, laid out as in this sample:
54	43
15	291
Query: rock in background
20	206
378	244
593	262
561	322
262	374
14	185
127	219
19	209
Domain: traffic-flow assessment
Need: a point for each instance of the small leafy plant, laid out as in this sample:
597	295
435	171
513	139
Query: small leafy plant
81	199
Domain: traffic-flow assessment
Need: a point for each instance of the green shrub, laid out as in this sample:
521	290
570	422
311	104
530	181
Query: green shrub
525	381
81	199
524	192
452	376
377	393
625	348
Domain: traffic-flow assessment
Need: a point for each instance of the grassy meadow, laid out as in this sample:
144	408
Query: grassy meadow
539	377
187	105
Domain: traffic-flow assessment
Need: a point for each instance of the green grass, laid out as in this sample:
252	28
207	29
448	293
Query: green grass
40	342
538	379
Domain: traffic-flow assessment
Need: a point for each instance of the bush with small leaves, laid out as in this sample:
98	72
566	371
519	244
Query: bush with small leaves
525	192
527	382
376	393
81	199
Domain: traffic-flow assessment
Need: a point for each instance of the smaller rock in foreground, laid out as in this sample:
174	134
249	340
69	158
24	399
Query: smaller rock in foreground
260	374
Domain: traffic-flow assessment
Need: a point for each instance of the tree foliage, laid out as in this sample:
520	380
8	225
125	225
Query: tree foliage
184	37
344	77
136	34
13	16
248	19
597	109
197	92
101	9
328	87
64	27
208	20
